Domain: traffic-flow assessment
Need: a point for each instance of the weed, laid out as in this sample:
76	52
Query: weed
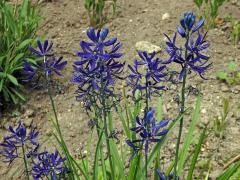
95	9
220	123
209	10
231	76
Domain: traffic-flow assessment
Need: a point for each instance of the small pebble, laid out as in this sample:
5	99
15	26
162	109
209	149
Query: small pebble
204	111
165	16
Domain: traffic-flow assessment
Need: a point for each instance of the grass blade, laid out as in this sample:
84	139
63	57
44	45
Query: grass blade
196	153
189	136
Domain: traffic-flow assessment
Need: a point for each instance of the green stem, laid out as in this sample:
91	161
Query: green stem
25	161
182	109
146	110
103	103
136	170
107	138
181	124
146	162
63	145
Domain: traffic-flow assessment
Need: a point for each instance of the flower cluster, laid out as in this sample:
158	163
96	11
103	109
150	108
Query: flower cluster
49	164
17	139
47	66
149	78
192	55
162	176
96	71
149	131
20	144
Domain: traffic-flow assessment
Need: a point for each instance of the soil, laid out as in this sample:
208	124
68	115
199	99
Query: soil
65	23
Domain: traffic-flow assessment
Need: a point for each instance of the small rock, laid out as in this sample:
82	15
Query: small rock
165	16
204	111
77	25
28	122
147	46
29	113
224	88
237	87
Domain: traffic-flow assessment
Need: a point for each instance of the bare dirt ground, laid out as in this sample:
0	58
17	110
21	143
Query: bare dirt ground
65	23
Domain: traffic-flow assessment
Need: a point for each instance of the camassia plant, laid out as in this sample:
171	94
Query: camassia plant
136	154
18	25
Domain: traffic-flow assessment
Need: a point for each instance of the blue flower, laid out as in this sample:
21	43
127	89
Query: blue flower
43	49
97	69
162	176
98	47
44	69
150	77
187	24
49	164
16	139
9	151
149	131
193	54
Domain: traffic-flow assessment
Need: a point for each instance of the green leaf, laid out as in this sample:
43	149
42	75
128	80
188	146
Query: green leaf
189	136
24	9
18	94
123	121
196	153
198	3
159	118
1	84
229	172
232	67
222	75
159	145
24	44
117	160
12	79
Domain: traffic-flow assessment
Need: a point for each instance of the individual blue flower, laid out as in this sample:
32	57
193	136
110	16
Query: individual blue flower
48	64
49	165
43	49
149	130
9	151
187	24
44	69
162	176
98	47
173	50
17	139
147	73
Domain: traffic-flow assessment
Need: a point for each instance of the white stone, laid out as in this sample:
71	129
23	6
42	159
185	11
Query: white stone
204	111
165	16
147	46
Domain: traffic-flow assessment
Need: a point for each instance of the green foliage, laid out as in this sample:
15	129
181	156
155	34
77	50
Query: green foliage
220	123
234	28
209	10
18	25
197	150
235	33
233	172
189	137
231	76
96	13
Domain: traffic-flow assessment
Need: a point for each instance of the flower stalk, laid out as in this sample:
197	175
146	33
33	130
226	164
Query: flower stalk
25	161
